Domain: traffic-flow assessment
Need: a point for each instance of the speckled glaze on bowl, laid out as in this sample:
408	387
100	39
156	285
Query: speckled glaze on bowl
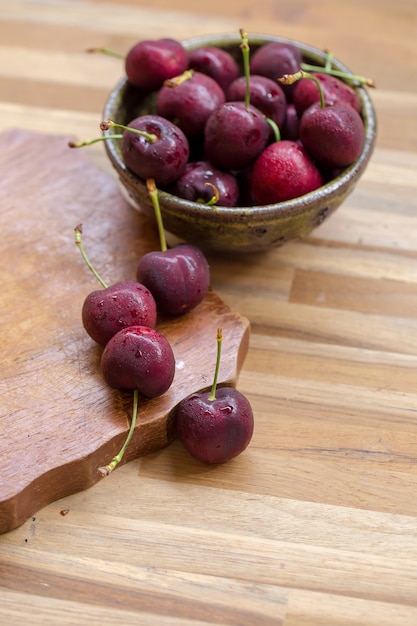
238	229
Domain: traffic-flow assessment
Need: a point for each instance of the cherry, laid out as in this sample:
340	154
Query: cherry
151	61
139	358
215	62
108	310
306	92
217	425
164	157
265	94
203	183
126	303
188	100
282	172
234	135
334	135
274	59
152	147
179	277
236	132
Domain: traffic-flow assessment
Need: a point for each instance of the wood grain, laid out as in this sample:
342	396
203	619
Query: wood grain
316	523
60	422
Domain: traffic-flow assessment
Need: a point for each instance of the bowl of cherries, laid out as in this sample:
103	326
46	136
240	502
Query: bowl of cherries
252	140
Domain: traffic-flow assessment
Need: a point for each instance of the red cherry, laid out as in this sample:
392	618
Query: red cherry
188	101
282	172
274	59
215	62
151	61
178	277
215	431
201	181
235	134
123	304
164	158
139	358
217	425
265	94
334	135
334	90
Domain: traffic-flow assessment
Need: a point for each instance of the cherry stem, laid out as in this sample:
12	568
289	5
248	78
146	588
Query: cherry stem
351	78
78	240
107	469
153	194
275	128
329	59
246	69
178	80
290	79
214	198
212	395
89	142
107	51
107	124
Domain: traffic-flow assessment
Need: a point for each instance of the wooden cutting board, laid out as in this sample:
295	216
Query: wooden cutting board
58	420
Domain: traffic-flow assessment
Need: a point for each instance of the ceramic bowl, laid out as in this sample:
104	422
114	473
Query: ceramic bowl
239	229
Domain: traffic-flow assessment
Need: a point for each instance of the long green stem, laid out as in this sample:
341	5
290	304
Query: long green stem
329	59
106	125
89	142
107	469
153	193
246	69
107	51
78	240
354	78
212	395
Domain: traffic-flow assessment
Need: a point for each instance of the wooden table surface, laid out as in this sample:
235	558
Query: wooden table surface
316	523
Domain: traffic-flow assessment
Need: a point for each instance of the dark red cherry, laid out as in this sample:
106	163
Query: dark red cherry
235	134
178	277
333	135
215	62
139	358
151	61
201	182
334	90
215	431
123	304
274	59
216	425
164	158
188	100
264	93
